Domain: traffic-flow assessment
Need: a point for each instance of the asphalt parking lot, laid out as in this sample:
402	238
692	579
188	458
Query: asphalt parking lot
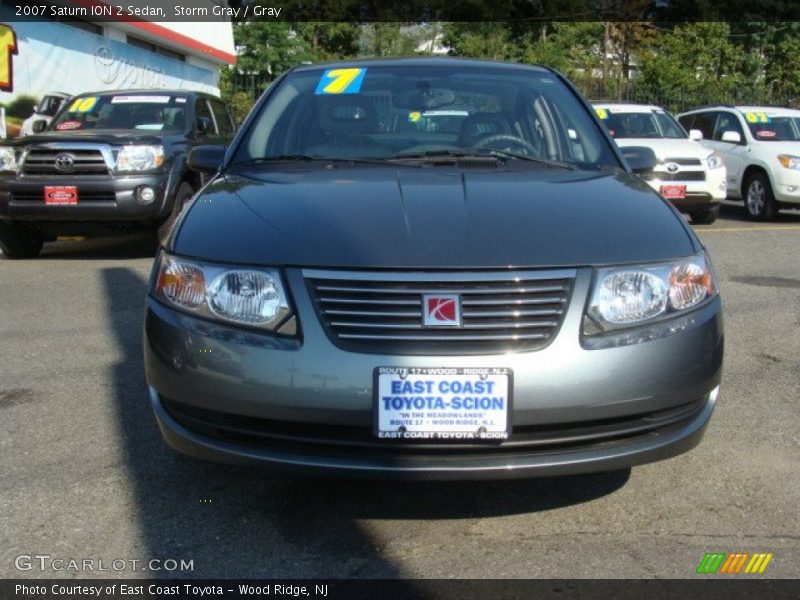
85	473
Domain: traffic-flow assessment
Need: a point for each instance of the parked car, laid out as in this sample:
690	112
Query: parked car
505	300
45	110
760	146
687	174
108	161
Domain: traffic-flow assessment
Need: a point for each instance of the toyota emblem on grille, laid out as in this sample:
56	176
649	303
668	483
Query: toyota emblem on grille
673	167
64	162
441	310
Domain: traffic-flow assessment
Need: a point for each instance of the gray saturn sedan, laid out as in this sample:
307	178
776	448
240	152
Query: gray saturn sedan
435	269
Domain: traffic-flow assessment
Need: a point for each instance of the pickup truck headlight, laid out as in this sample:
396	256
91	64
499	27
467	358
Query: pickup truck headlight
8	159
140	158
627	297
241	295
790	162
714	161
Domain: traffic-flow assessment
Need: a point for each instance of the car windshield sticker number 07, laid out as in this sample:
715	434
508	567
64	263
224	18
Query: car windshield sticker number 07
340	81
757	117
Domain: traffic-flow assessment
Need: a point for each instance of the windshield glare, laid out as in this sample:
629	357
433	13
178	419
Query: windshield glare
640	124
390	111
137	112
775	129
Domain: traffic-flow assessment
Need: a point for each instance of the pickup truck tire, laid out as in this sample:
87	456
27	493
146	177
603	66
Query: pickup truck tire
705	216
759	201
182	196
19	241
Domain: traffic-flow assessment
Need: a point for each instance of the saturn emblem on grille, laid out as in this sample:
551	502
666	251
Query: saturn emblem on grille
673	167
64	162
441	310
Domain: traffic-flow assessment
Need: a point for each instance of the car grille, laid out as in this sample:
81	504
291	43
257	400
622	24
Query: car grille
86	161
684	161
679	176
382	312
360	441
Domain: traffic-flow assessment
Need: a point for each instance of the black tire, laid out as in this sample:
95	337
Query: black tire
19	241
182	196
759	201
705	216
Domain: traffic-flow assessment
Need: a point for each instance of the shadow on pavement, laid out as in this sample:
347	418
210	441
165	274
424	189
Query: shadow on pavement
241	522
138	245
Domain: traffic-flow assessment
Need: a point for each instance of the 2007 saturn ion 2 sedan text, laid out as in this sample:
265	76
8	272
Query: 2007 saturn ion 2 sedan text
430	268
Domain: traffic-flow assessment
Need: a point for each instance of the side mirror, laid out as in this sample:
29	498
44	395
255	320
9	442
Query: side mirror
35	108
206	159
203	125
640	158
38	126
695	134
731	136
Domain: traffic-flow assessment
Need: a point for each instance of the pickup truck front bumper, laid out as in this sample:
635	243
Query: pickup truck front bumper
100	198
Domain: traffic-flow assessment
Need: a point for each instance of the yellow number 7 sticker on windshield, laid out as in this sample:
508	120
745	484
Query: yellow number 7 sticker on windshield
341	81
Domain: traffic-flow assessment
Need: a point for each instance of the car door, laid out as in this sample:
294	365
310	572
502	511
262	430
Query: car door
205	126
224	121
734	155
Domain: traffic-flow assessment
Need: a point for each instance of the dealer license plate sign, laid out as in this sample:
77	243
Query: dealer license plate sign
60	194
442	403
673	192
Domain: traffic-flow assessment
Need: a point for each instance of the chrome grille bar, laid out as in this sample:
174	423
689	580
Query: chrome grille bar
382	311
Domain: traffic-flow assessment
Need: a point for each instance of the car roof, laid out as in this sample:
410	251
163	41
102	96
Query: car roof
628	106
421	61
139	92
744	108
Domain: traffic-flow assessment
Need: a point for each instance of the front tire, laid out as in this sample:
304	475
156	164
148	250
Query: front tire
759	201
182	196
19	241
706	216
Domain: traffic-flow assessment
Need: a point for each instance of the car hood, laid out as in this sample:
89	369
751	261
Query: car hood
98	136
431	218
666	148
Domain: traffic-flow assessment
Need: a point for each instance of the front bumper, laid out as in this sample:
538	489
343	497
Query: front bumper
699	194
224	394
100	198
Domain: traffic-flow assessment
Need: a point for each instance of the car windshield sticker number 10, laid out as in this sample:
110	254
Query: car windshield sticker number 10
340	81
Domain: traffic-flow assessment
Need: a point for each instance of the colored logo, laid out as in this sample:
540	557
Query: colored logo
441	310
734	563
340	81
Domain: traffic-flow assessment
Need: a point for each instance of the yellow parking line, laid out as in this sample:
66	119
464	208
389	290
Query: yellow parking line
775	228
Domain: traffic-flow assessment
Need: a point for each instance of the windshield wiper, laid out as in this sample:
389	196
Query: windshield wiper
487	153
556	164
309	158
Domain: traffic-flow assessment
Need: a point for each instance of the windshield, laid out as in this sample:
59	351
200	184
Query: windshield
390	112
773	129
651	124
137	112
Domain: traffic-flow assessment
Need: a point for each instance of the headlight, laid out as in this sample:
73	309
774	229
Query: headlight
630	296
8	159
788	161
714	161
140	158
246	296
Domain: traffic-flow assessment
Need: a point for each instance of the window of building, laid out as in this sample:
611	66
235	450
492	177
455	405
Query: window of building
146	45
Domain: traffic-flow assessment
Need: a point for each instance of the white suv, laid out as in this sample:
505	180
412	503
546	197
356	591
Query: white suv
687	174
760	146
